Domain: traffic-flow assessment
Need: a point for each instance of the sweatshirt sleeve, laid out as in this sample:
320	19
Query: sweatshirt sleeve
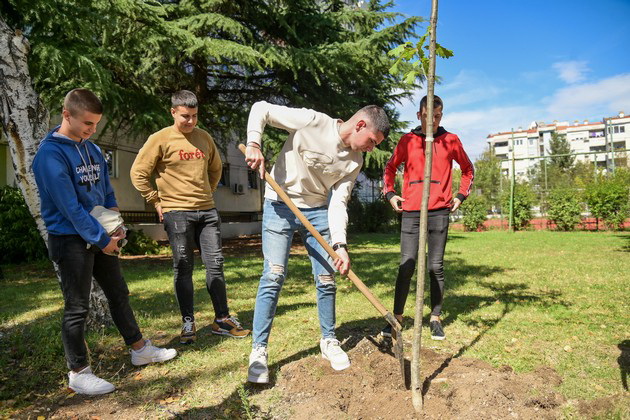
54	178
215	166
143	167
468	170
263	113
338	206
389	175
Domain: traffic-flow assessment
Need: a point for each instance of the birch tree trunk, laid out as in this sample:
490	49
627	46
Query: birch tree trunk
25	120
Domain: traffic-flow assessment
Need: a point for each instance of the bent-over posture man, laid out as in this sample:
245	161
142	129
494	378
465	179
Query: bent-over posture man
187	169
317	168
72	177
410	150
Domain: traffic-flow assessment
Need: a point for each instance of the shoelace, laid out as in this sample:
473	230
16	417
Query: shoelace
334	343
188	325
235	321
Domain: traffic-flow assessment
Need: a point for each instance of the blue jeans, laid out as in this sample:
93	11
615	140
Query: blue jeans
279	225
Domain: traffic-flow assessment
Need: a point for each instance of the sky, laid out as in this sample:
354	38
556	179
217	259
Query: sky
522	61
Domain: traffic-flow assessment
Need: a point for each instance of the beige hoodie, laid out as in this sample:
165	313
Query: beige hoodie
315	168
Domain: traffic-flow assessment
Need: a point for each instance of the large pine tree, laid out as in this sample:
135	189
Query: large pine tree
325	55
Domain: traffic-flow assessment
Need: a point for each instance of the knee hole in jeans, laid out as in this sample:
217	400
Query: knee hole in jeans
276	273
326	279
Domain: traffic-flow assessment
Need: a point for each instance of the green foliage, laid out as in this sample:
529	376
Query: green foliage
524	199
559	145
412	61
488	176
378	216
475	209
325	55
21	240
608	198
564	208
140	244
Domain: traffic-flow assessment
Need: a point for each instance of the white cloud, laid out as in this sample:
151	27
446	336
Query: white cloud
468	87
591	100
571	71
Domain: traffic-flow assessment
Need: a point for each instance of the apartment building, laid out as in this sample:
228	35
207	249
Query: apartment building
594	138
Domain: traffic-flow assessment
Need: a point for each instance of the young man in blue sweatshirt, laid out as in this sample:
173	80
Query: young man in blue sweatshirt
72	177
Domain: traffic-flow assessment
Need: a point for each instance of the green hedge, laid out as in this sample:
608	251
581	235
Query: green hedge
21	240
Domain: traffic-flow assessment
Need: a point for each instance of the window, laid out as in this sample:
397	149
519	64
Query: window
225	176
252	179
620	129
501	144
111	157
531	142
518	142
598	133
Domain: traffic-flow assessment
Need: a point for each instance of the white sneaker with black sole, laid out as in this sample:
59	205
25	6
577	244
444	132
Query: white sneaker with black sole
87	383
258	372
332	351
151	354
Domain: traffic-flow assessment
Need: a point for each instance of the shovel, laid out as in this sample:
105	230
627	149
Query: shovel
397	337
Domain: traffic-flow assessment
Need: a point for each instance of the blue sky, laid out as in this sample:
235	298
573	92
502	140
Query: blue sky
521	61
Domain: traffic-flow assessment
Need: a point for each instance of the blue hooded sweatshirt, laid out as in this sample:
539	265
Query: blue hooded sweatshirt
72	178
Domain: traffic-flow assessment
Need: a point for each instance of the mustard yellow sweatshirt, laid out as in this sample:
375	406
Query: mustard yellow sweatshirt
187	170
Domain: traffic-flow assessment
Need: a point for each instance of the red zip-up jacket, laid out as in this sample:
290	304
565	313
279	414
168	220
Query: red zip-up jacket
410	150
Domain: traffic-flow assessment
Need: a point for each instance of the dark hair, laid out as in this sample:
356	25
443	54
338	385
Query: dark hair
437	102
378	117
79	100
184	98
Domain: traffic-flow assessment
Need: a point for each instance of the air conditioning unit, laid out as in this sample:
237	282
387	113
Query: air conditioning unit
238	189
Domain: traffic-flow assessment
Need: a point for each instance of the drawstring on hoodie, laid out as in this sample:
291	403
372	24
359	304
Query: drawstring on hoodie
89	170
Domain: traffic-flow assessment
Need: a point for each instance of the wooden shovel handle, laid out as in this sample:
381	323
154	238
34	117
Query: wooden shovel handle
353	277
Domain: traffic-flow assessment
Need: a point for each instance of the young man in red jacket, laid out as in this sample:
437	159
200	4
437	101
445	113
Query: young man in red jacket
410	150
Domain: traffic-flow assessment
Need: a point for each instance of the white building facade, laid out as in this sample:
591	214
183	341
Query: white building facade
601	140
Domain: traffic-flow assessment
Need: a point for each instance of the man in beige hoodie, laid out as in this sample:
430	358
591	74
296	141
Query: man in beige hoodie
317	168
187	169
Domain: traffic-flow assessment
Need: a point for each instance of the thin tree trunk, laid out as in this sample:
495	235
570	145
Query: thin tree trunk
416	373
25	121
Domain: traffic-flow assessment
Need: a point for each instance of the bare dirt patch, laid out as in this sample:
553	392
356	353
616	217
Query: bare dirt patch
461	388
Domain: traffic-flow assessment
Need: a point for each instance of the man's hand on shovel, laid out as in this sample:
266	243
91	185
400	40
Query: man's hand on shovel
255	158
343	262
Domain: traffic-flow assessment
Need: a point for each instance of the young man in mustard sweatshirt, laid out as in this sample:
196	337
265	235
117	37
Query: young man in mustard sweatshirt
187	169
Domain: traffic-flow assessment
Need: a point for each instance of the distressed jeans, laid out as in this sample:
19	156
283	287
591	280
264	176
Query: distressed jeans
437	225
279	225
77	265
202	229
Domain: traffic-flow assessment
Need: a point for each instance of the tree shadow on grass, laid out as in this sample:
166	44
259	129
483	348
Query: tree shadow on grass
511	295
626	246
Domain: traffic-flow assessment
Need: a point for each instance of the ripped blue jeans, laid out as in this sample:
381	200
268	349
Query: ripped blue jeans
279	225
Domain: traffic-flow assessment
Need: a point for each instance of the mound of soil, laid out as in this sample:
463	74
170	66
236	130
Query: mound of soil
372	387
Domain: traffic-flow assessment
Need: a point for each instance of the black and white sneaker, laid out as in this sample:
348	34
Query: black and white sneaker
437	332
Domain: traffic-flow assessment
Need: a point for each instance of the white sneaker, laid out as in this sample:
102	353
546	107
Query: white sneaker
85	382
151	354
258	372
332	351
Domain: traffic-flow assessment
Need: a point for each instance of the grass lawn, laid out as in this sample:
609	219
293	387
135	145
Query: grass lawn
524	299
